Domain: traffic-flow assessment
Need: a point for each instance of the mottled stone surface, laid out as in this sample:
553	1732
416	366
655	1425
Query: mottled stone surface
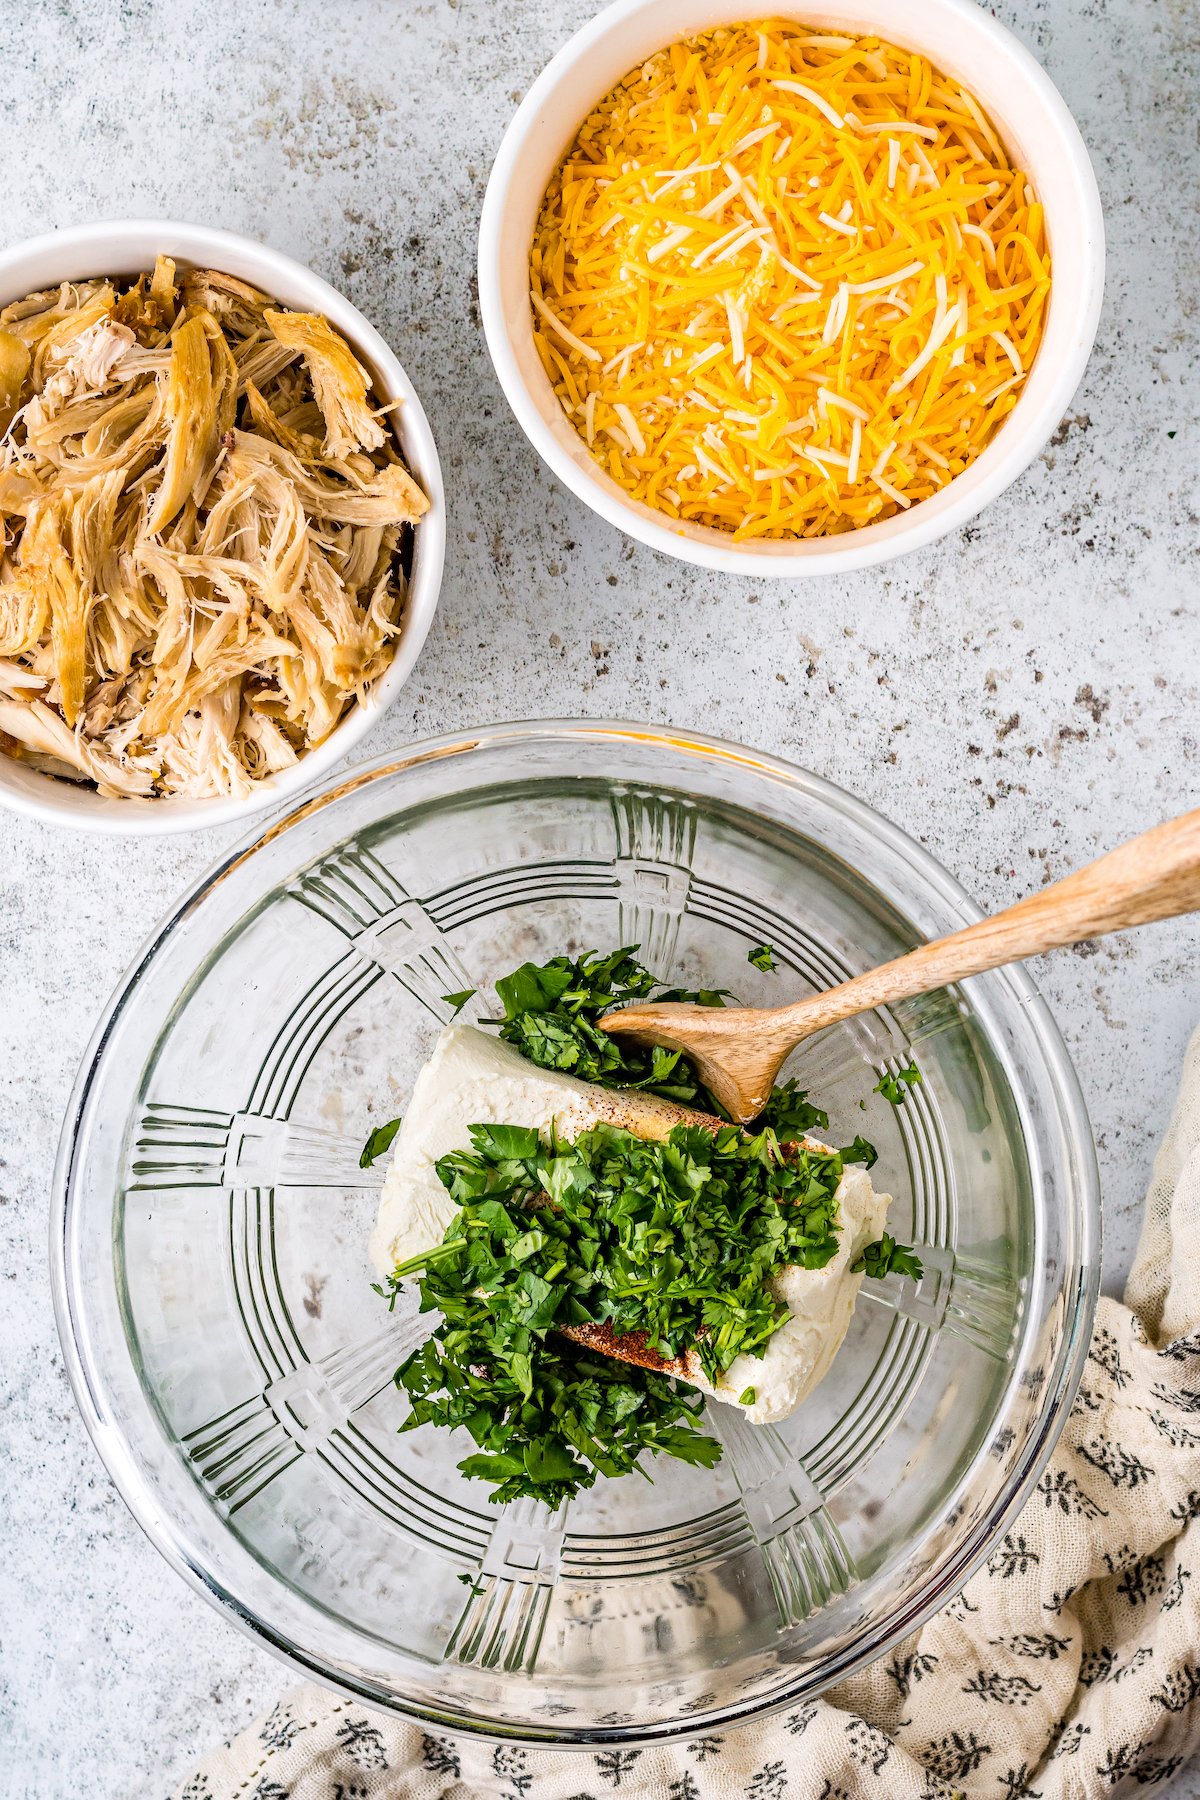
1020	696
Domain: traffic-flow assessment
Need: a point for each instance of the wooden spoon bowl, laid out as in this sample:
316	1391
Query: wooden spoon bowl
738	1051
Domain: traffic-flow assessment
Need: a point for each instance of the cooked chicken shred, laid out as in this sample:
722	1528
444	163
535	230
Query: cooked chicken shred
201	521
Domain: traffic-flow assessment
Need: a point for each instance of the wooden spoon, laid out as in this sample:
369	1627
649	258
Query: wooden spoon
739	1050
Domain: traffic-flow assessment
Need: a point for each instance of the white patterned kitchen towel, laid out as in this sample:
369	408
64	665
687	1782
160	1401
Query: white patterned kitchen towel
1068	1667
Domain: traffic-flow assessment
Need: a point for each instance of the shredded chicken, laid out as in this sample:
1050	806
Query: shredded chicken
339	381
201	524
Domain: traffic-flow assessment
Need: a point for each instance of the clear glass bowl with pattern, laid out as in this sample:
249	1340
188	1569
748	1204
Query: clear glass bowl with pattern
234	1365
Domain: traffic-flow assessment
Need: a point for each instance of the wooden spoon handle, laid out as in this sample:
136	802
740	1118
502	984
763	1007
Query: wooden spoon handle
1155	876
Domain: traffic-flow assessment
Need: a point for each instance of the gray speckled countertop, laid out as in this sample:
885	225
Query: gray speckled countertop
1020	696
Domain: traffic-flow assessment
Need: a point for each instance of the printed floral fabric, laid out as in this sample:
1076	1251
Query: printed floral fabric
1068	1668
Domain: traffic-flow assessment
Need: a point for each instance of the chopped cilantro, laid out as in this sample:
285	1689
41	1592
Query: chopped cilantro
379	1141
459	1000
886	1257
763	957
551	1012
789	1113
676	1240
894	1088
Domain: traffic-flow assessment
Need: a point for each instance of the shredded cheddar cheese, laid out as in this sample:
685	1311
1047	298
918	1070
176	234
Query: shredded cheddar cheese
786	283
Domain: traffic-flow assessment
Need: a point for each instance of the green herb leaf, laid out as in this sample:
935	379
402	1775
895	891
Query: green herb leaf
505	1142
886	1257
459	1000
379	1141
763	957
747	1397
534	988
546	1460
697	996
790	1114
391	1293
689	1446
860	1151
894	1087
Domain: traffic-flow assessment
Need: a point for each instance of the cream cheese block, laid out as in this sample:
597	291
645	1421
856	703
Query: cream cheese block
475	1079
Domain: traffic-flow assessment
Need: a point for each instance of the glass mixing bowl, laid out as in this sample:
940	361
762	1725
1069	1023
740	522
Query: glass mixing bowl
234	1365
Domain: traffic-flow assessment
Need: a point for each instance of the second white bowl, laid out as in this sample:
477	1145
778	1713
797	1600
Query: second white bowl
126	247
959	38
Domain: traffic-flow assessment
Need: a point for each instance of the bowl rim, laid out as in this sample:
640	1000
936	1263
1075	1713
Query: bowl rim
127	241
1004	459
118	1455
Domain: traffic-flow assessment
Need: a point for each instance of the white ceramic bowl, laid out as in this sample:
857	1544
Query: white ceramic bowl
959	38
125	247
